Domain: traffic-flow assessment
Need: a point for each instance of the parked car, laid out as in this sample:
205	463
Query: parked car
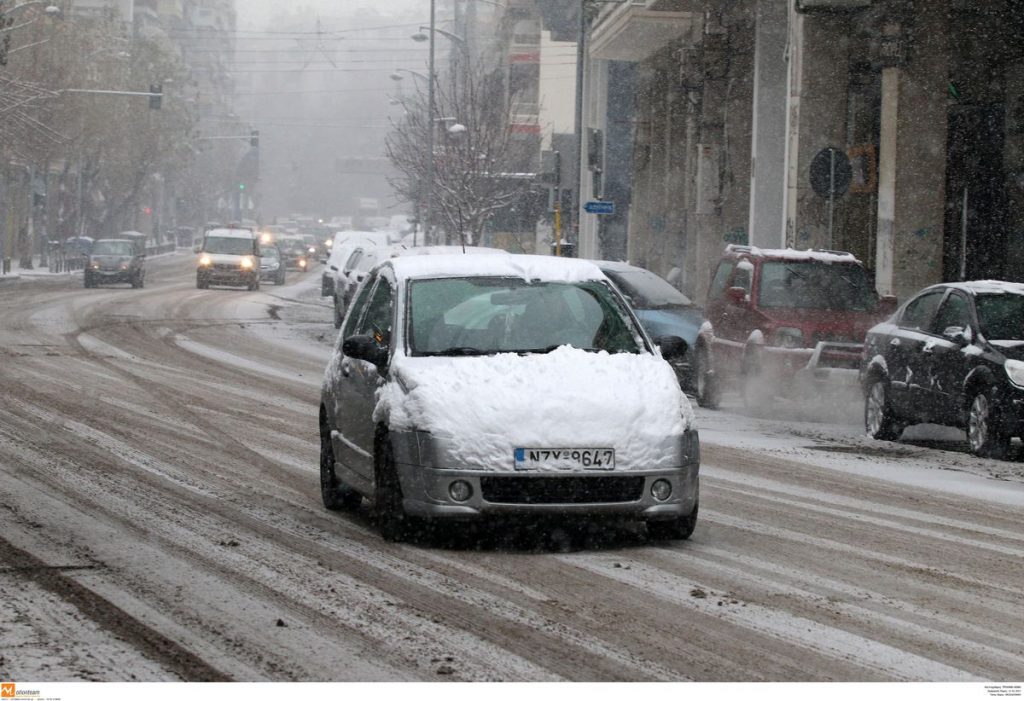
952	355
116	260
271	264
363	257
228	257
463	387
341	248
662	309
777	320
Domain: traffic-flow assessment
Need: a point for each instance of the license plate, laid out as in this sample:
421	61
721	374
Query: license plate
564	459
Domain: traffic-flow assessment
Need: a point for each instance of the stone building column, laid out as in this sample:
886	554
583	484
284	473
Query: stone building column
768	143
912	159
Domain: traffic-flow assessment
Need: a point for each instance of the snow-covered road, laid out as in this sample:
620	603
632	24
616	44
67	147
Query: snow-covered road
160	519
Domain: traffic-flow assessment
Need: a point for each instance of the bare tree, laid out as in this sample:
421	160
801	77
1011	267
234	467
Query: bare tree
478	158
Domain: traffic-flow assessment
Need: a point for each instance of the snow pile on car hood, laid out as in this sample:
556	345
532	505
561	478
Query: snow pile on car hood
479	409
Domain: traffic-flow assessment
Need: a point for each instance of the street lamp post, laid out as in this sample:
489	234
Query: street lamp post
427	234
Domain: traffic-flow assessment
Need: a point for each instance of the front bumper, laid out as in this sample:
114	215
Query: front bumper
235	276
613	493
109	276
831	362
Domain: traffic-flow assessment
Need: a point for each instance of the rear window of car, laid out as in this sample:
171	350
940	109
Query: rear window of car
919	312
648	291
815	285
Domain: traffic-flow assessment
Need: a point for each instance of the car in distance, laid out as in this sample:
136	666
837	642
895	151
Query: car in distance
228	257
662	309
778	321
271	264
463	387
116	261
952	355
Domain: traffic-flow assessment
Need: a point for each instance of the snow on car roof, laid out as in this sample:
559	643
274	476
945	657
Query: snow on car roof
794	255
398	249
231	233
989	287
527	267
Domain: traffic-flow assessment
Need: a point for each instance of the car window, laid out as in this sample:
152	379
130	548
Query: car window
229	245
377	320
112	248
356	309
717	290
816	285
479	316
353	260
270	253
955	311
742	278
920	311
1001	316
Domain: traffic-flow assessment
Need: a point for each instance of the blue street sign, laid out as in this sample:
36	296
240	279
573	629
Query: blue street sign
599	207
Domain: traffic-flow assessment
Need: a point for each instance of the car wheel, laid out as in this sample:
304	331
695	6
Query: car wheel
984	435
338	316
88	282
394	524
676	529
879	421
705	383
336	495
757	392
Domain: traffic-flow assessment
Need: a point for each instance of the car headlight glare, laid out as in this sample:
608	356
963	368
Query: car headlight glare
205	261
1015	371
788	337
246	263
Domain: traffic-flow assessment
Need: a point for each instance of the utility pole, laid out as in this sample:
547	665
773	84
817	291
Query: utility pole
581	54
428	238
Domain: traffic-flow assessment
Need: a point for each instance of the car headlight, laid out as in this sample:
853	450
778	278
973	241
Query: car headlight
95	266
302	263
246	263
328	243
1015	371
205	262
788	337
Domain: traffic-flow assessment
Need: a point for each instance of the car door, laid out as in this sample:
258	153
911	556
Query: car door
360	380
905	358
946	362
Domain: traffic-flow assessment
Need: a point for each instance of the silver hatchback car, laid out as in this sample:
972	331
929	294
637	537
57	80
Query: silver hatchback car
465	386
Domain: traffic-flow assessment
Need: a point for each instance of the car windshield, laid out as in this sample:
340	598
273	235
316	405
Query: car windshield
483	316
270	252
112	248
229	245
648	291
1001	316
816	285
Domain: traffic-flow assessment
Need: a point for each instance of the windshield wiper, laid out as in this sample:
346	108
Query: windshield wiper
459	350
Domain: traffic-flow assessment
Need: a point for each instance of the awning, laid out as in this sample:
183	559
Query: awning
634	33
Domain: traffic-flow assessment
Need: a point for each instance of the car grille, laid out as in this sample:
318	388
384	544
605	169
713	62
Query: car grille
561	490
226	267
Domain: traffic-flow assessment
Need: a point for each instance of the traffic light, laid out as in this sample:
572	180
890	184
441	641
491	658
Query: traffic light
156	96
254	138
241	187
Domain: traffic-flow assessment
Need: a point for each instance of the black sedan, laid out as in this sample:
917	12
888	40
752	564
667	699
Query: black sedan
952	355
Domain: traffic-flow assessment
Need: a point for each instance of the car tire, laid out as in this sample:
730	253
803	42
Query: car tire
879	420
676	529
757	394
984	436
89	284
705	383
394	524
336	495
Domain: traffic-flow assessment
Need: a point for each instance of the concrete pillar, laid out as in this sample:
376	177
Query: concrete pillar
912	160
816	119
768	143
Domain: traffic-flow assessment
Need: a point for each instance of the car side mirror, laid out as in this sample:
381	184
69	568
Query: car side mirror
737	295
962	336
887	304
672	347
366	348
334	268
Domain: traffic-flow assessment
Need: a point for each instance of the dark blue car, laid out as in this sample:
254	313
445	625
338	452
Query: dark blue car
662	309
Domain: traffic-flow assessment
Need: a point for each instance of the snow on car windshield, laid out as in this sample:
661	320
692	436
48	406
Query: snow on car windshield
228	245
648	291
112	248
480	316
1001	316
816	285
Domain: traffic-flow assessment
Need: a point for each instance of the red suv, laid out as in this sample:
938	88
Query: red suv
774	316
